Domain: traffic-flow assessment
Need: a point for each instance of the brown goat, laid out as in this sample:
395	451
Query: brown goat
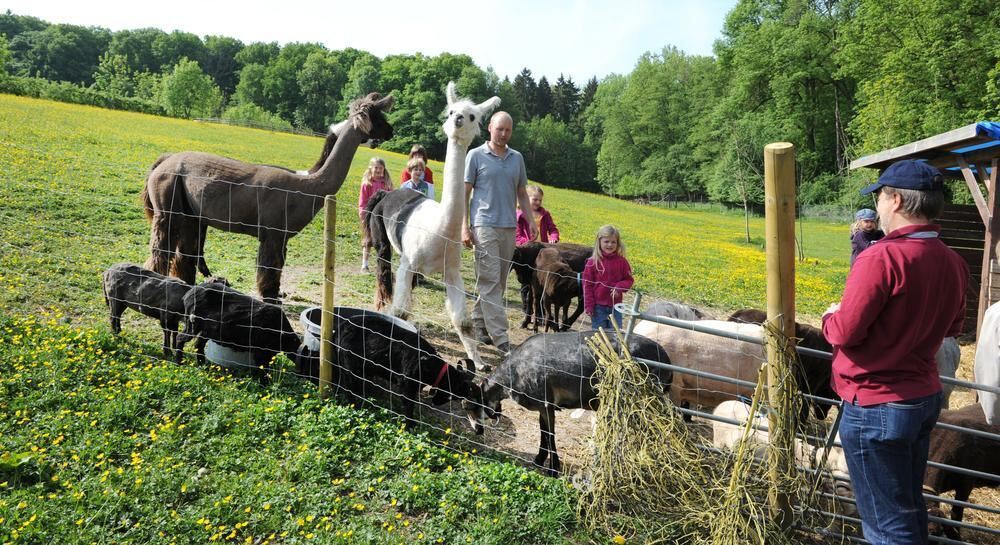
523	264
554	286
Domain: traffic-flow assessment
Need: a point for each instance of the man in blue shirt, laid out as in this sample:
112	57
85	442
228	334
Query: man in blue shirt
495	180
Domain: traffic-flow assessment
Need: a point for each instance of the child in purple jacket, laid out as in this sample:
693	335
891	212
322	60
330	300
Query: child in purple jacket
606	277
864	232
547	231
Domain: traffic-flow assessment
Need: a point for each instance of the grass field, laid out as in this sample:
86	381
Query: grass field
99	439
71	177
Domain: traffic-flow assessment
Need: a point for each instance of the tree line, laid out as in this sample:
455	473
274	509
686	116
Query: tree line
838	78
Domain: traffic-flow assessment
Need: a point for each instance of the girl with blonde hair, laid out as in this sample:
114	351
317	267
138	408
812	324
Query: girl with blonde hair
606	277
376	178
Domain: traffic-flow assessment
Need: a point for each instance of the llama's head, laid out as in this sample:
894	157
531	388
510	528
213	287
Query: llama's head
465	116
368	116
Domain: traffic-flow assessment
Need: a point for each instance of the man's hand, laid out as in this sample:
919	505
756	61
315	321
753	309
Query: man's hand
834	307
533	229
468	239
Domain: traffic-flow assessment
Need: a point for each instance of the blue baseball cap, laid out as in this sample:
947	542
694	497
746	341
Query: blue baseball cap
909	174
864	214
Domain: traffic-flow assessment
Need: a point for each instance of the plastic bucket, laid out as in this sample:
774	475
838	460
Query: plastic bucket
227	357
311	317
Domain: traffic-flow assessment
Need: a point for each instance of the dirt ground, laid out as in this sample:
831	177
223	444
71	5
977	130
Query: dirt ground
517	434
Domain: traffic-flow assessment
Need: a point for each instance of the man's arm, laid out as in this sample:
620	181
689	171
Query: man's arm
467	237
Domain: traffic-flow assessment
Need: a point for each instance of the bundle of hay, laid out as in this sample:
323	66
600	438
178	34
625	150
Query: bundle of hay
654	479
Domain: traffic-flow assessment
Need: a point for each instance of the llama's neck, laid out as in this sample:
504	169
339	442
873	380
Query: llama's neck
330	177
453	192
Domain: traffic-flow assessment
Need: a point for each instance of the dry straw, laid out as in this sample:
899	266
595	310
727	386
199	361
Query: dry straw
655	479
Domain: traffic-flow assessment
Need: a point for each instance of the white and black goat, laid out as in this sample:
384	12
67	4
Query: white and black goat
214	311
549	372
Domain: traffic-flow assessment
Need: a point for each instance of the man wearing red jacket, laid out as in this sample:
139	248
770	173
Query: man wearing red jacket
904	294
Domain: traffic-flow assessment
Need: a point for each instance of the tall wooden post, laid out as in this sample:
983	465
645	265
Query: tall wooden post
779	209
326	323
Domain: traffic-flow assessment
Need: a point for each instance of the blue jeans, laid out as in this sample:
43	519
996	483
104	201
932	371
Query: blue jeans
602	318
886	449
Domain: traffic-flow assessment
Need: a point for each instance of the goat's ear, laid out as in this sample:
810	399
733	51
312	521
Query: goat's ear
450	93
486	107
469	365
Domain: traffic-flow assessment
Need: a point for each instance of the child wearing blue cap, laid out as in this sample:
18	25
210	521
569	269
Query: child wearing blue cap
864	232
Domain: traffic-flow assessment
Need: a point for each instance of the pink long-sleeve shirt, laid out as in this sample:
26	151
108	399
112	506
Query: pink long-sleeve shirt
605	285
367	190
547	231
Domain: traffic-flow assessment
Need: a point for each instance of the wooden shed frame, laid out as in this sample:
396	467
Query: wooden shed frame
970	153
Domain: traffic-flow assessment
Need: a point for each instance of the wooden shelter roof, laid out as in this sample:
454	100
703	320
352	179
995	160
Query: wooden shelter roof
977	143
970	153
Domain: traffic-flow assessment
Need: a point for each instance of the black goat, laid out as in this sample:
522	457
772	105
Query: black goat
549	372
371	345
127	285
214	311
964	450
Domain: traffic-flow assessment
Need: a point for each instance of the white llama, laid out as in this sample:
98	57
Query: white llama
428	235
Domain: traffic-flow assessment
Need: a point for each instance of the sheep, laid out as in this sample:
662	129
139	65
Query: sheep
127	285
727	435
730	358
214	311
523	264
947	356
549	372
372	345
553	287
964	450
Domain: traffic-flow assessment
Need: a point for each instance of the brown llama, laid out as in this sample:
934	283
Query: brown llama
187	192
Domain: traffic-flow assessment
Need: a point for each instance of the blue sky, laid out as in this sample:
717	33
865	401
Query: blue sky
581	38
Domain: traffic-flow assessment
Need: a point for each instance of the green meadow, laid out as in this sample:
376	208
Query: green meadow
101	441
71	176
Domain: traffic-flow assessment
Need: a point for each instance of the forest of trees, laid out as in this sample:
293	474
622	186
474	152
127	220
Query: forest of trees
838	78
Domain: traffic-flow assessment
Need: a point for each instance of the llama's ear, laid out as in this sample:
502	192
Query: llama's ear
450	93
486	107
385	103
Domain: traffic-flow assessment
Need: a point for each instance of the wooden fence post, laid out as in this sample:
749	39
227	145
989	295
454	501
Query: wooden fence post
779	210
326	322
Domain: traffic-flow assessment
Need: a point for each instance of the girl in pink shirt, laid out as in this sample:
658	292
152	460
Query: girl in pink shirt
606	277
376	178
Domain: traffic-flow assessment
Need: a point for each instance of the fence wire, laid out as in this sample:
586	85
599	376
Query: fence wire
24	242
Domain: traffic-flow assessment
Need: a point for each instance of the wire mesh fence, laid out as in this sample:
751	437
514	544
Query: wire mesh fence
415	363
